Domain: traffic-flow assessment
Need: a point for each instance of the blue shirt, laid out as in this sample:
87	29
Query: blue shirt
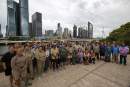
115	50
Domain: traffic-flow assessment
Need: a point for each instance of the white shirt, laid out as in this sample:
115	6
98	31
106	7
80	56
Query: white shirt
47	53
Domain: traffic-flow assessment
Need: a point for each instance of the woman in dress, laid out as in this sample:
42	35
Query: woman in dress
80	56
19	68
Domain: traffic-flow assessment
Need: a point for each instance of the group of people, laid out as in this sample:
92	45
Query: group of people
27	61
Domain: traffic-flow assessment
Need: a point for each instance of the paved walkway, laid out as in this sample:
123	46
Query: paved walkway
99	75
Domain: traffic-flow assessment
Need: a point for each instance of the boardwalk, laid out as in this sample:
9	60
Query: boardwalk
99	75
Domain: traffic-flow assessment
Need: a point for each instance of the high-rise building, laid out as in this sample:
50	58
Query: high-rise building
37	24
17	18
84	33
90	30
6	34
11	18
80	32
59	30
30	30
49	32
75	31
24	17
1	35
66	33
70	34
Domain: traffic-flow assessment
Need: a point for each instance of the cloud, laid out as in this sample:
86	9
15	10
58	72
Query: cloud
107	14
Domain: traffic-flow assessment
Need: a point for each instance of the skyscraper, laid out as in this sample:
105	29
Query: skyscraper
17	18
66	33
59	30
6	34
49	32
30	30
11	18
75	31
37	24
84	33
24	17
80	32
70	34
90	30
1	35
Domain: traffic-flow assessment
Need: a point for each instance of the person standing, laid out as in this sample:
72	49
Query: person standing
19	69
63	55
40	56
86	57
96	50
47	61
92	56
54	58
80	56
107	52
29	55
123	54
102	51
115	53
70	50
74	56
6	59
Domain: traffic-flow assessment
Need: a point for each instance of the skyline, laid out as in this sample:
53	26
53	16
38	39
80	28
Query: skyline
107	14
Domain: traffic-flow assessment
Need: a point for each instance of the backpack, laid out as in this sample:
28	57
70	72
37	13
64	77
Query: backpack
123	51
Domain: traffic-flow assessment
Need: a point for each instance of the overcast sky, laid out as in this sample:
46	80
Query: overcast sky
107	14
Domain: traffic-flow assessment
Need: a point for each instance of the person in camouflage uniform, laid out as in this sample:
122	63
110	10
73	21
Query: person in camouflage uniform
74	56
63	55
29	55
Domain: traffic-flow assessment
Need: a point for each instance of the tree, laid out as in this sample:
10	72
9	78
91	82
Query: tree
121	34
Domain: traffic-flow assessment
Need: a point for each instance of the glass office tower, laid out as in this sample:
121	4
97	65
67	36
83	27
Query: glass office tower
17	18
75	31
11	31
90	30
24	17
37	24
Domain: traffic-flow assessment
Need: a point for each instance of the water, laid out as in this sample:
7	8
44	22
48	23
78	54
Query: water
3	49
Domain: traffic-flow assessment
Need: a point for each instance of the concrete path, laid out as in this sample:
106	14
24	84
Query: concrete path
99	75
